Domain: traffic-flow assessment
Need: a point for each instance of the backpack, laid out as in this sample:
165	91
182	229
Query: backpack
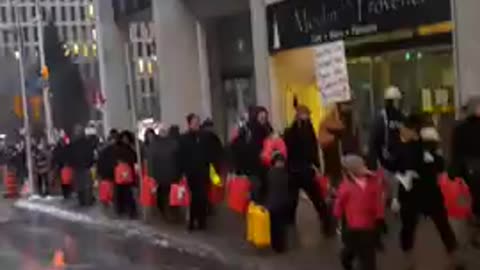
271	146
123	174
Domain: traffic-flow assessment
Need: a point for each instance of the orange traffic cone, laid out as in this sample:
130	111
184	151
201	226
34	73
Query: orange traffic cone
58	259
10	183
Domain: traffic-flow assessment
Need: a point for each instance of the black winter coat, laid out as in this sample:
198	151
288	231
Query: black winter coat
278	189
195	158
385	139
465	148
302	146
81	153
124	153
106	162
429	164
162	158
215	148
60	159
247	147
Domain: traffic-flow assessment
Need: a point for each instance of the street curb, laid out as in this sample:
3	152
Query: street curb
133	228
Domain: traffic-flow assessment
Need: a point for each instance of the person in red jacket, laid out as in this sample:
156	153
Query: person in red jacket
359	205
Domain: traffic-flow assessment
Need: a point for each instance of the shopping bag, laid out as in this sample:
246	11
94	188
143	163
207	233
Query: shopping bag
323	184
258	226
123	174
66	175
214	177
457	197
179	194
270	146
105	191
216	194
148	197
238	194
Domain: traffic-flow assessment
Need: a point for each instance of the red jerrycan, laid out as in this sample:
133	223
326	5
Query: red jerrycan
238	190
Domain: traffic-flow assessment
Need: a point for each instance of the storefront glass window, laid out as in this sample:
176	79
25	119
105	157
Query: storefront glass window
424	75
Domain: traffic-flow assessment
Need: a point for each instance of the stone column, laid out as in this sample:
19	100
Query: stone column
111	58
466	49
263	76
180	79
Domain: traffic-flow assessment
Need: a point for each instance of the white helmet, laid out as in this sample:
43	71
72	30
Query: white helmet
429	134
393	93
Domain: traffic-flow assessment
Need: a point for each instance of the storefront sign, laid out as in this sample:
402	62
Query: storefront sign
297	23
331	72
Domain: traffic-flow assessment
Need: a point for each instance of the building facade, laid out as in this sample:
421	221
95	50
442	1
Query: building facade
217	57
75	23
205	57
74	20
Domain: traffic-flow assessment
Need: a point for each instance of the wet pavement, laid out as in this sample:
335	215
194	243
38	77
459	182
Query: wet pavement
36	237
29	241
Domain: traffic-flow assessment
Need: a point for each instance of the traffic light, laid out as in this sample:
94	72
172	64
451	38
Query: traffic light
45	73
18	106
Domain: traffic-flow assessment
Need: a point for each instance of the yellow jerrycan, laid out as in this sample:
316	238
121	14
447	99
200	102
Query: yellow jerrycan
258	226
250	219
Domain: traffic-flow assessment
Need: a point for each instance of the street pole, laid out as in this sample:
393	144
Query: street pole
45	86
26	118
133	114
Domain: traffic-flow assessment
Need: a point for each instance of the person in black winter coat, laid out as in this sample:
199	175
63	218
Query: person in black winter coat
385	137
162	163
124	152
42	162
277	202
195	163
418	166
465	161
247	147
59	161
106	162
215	145
217	155
303	162
81	154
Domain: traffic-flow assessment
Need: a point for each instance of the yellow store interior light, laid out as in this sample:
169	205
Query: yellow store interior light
438	28
150	67
76	49
85	50
91	10
94	34
141	65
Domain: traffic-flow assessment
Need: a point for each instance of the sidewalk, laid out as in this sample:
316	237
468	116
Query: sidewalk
224	239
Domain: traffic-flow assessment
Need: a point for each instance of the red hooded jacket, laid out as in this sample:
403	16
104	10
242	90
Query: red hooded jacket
361	206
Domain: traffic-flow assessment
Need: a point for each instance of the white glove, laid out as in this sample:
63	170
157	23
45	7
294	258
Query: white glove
406	180
413	174
395	206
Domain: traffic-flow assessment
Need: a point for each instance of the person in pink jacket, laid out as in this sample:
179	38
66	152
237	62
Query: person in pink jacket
359	205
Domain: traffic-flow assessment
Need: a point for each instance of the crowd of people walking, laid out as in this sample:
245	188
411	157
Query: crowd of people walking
403	172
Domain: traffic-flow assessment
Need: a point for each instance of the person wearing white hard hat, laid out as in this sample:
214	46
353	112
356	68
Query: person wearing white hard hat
385	141
419	163
385	136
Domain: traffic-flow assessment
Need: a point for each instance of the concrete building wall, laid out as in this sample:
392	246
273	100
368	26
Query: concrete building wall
178	60
466	46
263	76
112	68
